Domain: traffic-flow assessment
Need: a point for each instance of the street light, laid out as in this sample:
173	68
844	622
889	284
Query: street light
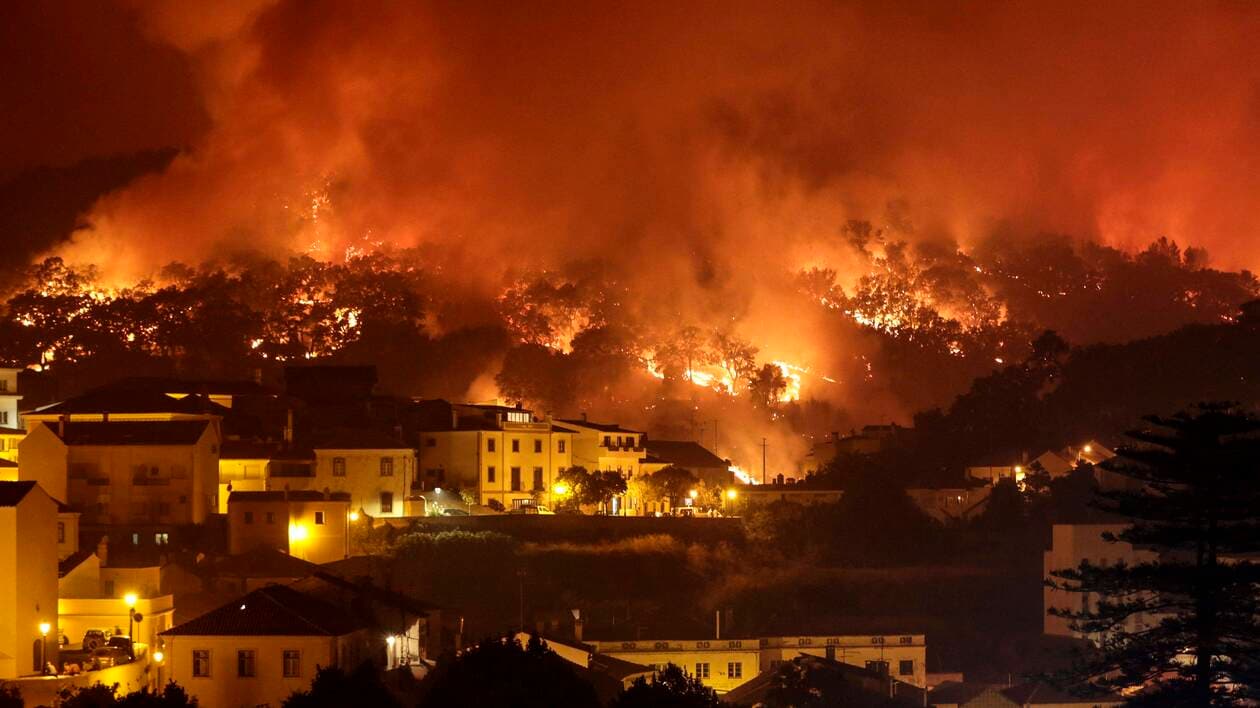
354	516
693	493
130	599
731	494
389	642
44	629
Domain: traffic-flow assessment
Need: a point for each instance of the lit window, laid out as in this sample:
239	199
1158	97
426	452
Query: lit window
735	669
245	665
387	502
292	663
560	446
319	518
161	538
201	663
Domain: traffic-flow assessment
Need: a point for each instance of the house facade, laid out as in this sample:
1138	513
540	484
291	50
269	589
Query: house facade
28	579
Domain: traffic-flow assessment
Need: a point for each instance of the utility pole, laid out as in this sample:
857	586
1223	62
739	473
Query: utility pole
520	574
763	460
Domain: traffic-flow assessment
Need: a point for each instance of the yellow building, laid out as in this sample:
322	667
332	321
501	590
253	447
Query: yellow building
260	648
11	431
1070	545
306	524
91	596
724	664
506	454
114	405
162	472
606	447
721	664
28	579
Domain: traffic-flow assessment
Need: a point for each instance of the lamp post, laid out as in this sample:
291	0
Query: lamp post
132	618
389	659
44	629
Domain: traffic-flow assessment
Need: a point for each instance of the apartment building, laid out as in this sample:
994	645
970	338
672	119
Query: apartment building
28	579
307	524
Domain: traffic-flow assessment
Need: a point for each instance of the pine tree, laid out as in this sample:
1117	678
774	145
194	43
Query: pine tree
1194	500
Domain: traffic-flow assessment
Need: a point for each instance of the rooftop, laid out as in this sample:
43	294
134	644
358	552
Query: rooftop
264	562
163	432
359	439
131	401
683	453
292	495
12	493
602	427
274	610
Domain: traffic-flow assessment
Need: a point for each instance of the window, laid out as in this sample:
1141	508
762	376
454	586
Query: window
161	538
292	663
607	441
245	663
4	384
538	478
905	667
560	446
271	517
516	479
61	532
201	663
490	474
735	669
339	467
319	518
879	667
4	417
702	670
538	446
387	502
249	517
490	444
387	467
430	442
516	445
135	539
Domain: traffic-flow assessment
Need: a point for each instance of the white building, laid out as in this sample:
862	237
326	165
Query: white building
28	579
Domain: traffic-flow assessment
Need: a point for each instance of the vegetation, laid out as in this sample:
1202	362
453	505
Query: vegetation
670	688
504	673
102	696
334	688
589	489
1194	503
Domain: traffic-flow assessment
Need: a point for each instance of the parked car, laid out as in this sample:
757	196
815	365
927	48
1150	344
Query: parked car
452	511
94	638
105	657
123	642
533	509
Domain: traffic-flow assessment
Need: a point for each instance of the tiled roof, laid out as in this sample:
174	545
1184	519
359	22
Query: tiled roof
359	439
264	562
12	493
274	610
5	430
124	401
683	453
163	432
602	427
71	562
7	463
1039	694
959	693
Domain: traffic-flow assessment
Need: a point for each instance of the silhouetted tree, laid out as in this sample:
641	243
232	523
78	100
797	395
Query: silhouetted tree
501	672
11	697
766	386
101	696
333	688
672	483
670	688
1195	499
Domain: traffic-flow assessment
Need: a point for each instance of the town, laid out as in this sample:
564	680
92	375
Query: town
235	538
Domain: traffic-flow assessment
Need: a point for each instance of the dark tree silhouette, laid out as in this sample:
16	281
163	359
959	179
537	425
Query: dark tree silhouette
1194	499
670	688
504	673
333	687
101	696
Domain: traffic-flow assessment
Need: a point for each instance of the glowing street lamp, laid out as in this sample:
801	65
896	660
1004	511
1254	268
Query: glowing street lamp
561	489
731	494
354	516
44	629
389	642
693	493
132	617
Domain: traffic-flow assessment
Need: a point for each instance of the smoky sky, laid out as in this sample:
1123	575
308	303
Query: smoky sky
697	144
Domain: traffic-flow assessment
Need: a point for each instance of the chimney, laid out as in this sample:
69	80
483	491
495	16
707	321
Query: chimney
583	416
288	426
104	416
102	550
61	426
578	625
717	624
